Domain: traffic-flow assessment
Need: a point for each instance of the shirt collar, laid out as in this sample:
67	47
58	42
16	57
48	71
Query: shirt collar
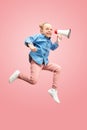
45	37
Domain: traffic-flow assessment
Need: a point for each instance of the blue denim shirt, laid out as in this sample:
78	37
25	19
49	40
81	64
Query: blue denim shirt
44	45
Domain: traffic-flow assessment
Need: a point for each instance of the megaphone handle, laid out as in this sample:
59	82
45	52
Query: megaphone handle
59	36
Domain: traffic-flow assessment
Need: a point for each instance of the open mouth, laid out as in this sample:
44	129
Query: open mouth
49	34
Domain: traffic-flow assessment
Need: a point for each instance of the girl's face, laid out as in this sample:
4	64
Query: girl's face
47	30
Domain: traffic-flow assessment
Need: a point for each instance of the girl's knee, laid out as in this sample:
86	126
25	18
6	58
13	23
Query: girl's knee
33	81
59	68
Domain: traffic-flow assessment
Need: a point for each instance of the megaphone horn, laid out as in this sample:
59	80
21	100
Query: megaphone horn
64	32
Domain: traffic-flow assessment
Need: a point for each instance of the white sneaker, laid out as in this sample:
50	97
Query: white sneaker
53	93
14	76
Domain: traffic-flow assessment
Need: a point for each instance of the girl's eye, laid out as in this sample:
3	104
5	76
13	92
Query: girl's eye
48	29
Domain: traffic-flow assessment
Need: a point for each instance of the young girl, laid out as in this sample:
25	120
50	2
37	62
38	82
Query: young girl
40	46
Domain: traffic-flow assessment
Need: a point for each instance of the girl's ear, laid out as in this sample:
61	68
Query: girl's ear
41	30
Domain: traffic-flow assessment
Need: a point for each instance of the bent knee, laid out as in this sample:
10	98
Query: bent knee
33	82
58	69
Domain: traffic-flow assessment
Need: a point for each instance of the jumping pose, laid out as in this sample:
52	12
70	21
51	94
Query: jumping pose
40	46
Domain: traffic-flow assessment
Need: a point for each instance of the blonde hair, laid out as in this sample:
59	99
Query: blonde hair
42	25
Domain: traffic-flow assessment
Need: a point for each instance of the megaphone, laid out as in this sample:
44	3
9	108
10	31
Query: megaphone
63	32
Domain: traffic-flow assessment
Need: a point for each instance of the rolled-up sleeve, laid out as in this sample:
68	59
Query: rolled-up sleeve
54	46
30	39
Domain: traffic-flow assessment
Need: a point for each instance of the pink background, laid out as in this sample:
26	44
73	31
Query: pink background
27	107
